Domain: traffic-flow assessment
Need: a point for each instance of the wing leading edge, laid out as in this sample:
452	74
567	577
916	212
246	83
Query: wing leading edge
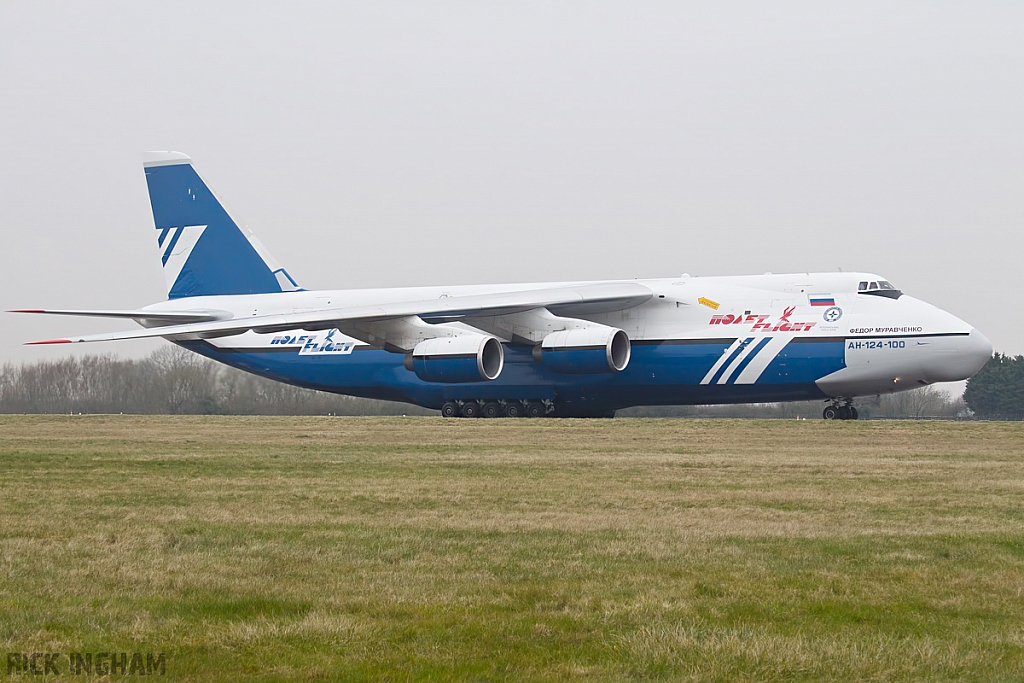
603	296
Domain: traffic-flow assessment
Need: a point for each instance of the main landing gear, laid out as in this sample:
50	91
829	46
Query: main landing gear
840	409
515	408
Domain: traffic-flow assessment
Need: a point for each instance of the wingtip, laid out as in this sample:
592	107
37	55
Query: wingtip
27	310
48	341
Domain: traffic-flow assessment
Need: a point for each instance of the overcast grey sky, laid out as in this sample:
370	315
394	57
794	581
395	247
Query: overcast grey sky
380	144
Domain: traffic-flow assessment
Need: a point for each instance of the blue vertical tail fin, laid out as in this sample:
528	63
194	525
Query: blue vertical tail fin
204	251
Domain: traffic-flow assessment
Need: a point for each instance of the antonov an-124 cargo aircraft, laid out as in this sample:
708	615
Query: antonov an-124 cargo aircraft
539	349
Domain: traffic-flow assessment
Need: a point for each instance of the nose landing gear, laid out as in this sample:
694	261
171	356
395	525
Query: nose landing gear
840	409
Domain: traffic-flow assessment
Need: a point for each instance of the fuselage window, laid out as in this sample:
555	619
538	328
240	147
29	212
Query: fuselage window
861	287
882	284
873	285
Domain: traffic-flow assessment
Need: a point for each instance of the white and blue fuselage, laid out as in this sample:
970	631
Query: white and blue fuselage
697	340
570	348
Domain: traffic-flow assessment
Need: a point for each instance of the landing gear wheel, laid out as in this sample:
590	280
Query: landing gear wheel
513	409
845	413
450	409
471	409
534	409
830	413
853	413
491	409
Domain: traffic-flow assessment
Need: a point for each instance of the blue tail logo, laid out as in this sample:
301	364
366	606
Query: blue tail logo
204	251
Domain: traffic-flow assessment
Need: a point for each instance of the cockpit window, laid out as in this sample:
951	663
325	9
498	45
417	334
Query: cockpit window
879	288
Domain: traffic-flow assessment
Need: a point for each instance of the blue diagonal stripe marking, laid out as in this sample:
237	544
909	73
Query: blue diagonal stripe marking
170	245
739	349
162	237
746	361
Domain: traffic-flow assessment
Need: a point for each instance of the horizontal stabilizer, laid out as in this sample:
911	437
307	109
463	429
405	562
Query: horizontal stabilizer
150	317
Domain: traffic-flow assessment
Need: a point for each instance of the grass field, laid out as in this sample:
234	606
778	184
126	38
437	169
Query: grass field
424	549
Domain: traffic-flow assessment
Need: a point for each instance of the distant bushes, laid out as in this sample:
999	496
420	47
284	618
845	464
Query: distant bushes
997	391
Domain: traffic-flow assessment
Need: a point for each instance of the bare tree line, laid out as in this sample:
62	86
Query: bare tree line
172	380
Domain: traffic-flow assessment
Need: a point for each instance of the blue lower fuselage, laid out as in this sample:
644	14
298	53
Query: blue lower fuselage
670	372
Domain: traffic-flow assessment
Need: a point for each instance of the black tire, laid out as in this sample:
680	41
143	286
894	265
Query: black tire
450	409
535	409
513	409
854	415
470	409
844	413
491	409
830	413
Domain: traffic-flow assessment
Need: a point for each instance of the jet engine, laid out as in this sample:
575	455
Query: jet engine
592	349
452	360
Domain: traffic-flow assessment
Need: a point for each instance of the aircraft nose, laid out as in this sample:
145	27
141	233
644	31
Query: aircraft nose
978	351
959	360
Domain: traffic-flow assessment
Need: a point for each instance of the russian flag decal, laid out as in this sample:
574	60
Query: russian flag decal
822	301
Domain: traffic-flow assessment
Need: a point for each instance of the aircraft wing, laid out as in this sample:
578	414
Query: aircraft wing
603	296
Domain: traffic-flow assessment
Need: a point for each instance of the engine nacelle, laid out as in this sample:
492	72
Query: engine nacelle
452	360
589	350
